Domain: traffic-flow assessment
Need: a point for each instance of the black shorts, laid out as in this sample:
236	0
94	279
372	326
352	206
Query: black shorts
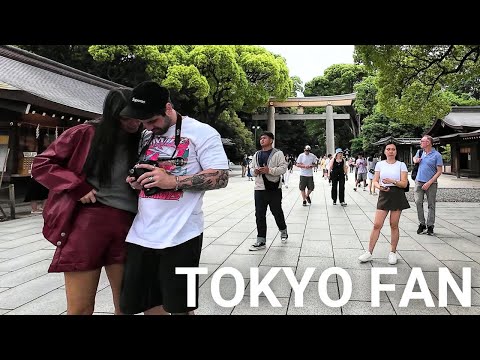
392	200
149	278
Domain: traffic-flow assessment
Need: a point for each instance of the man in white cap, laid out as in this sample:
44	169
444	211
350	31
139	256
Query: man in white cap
305	162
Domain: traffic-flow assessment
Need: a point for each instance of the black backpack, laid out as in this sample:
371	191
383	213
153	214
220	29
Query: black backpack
415	167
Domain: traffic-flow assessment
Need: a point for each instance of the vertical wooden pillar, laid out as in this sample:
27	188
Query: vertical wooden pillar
271	121
456	156
330	131
11	197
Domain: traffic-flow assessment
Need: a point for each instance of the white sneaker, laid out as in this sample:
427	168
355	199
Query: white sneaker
365	257
392	258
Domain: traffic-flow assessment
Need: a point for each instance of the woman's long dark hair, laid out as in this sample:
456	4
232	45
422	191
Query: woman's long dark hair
103	149
383	156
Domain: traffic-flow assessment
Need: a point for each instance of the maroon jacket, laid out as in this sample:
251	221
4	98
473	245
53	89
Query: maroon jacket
60	169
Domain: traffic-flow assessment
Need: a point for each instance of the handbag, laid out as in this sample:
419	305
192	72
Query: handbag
270	185
372	171
415	167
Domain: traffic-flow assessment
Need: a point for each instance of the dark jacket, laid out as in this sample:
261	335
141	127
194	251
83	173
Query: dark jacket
60	169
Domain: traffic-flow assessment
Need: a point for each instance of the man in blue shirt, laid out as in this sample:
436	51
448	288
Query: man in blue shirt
429	169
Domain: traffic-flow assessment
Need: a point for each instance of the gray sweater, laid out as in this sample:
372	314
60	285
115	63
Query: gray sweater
277	167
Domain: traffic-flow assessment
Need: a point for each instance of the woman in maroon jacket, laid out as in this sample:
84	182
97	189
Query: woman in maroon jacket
90	207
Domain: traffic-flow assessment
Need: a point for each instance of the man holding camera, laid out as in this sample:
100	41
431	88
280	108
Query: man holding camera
180	159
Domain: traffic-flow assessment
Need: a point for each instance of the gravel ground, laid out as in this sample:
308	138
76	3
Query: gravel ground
452	195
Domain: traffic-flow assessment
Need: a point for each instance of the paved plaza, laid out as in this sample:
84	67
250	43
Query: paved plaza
321	236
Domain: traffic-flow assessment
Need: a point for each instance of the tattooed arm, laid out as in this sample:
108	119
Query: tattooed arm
209	179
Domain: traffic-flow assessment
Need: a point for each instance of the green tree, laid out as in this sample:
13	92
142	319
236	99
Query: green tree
337	79
412	78
210	81
378	126
365	100
297	86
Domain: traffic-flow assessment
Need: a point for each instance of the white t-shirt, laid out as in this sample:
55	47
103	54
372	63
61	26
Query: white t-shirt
305	159
170	218
391	171
327	163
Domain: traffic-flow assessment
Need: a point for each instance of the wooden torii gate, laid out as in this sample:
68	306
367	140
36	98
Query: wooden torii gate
314	101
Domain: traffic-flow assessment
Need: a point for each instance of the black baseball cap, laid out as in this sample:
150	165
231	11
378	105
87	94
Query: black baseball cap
148	99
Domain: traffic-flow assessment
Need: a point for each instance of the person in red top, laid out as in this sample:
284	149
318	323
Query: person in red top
90	208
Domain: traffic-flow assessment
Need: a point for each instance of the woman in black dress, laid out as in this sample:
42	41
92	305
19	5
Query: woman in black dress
338	174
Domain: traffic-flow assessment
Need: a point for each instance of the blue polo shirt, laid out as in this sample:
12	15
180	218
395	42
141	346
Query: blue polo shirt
428	166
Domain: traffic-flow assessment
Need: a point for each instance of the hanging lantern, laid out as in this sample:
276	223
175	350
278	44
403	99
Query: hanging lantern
37	132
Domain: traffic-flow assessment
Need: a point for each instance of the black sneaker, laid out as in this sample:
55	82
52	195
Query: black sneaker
334	203
309	200
304	203
421	229
430	230
257	246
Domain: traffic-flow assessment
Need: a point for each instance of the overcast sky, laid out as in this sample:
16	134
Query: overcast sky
309	61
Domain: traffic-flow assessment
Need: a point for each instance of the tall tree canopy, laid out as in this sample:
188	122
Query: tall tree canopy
412	79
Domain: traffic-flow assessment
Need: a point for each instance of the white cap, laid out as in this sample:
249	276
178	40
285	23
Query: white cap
307	147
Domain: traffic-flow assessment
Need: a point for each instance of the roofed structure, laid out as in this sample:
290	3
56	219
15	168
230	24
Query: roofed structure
400	141
462	119
461	130
32	79
39	99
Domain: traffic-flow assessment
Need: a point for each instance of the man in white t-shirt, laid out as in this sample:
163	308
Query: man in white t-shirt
305	162
361	165
187	158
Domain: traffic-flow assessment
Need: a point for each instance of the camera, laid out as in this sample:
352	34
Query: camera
137	172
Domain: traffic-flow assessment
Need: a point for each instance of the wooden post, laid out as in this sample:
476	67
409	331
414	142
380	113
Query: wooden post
11	195
330	130
271	121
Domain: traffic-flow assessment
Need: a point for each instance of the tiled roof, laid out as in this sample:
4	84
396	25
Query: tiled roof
52	81
463	116
400	141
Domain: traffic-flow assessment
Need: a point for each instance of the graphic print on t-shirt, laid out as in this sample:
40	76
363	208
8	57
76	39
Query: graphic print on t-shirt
164	147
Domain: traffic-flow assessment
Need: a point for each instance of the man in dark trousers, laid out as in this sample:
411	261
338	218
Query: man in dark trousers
269	164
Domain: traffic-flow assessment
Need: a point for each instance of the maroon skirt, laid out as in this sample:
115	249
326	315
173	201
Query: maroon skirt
97	239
